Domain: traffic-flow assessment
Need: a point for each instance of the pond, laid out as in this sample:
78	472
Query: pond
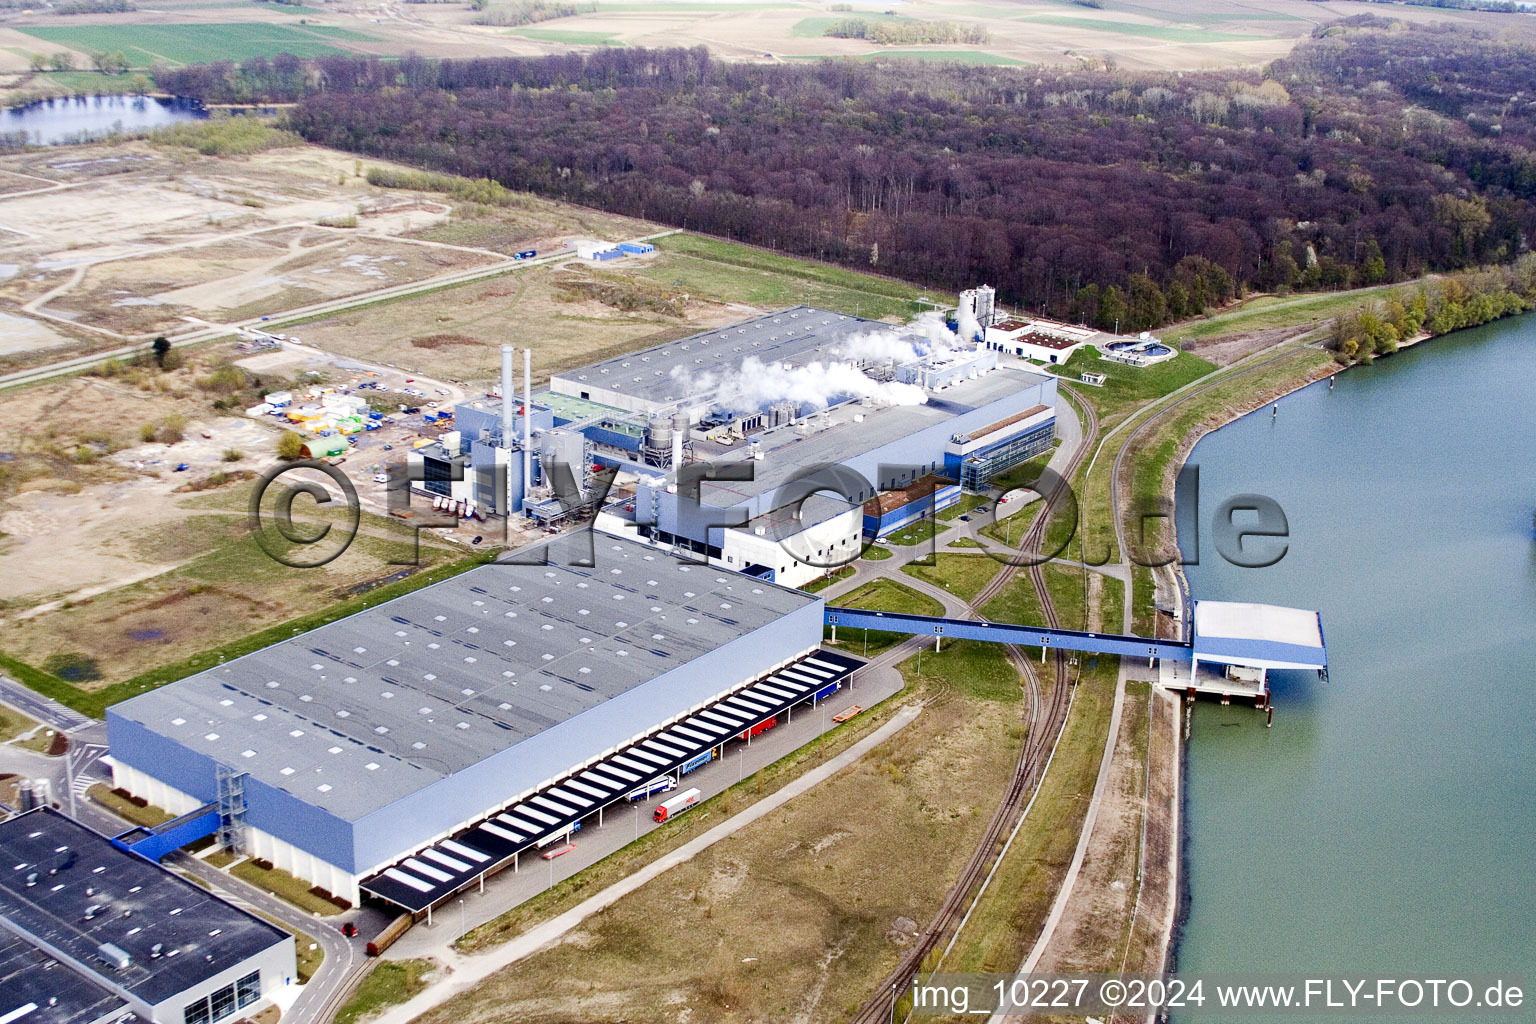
82	118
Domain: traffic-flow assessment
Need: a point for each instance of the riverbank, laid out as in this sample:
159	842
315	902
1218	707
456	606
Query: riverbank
1268	393
1407	490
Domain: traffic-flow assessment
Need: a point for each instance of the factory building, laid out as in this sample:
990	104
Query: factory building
771	398
1044	341
92	933
890	511
974	456
414	723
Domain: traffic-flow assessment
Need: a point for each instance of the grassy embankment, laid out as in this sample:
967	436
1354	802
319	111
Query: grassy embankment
389	983
95	702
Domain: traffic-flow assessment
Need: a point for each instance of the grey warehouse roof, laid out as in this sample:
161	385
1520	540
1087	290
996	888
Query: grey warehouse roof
787	453
60	995
798	335
56	869
359	713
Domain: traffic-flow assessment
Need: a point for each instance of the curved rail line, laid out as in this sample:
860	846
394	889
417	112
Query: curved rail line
1048	718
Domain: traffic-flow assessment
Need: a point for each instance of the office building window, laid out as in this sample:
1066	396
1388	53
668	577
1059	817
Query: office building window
248	989
196	1013
222	1002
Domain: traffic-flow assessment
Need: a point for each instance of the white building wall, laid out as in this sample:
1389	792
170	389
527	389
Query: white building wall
838	540
158	793
290	858
302	864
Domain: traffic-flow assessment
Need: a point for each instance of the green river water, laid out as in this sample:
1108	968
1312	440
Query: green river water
1387	822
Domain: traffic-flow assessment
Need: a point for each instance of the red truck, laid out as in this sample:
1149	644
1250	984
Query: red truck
669	809
759	728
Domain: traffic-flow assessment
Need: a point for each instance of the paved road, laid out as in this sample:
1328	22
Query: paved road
344	957
46	710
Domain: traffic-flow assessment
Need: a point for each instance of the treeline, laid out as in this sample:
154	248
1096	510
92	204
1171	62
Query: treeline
1083	192
1434	308
1496	6
526	12
907	33
479	190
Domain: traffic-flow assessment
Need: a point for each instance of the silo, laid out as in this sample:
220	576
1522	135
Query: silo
657	441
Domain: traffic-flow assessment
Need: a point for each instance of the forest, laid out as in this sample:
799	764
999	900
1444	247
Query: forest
1376	152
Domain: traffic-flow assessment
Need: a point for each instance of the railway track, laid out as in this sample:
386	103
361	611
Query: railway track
1281	350
1048	717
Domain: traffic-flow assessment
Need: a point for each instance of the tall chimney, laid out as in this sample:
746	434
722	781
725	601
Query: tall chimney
680	427
508	389
527	422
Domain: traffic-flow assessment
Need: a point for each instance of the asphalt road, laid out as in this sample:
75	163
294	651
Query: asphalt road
34	705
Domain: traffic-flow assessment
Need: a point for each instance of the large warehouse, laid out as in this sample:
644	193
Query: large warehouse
90	933
412	724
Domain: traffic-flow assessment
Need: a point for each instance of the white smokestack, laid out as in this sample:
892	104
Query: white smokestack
527	422
507	391
680	428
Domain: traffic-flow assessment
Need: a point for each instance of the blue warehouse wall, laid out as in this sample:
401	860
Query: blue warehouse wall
912	511
138	746
445	804
274	811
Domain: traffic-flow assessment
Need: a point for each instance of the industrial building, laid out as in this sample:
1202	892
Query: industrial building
773	398
92	933
1043	341
890	511
412	724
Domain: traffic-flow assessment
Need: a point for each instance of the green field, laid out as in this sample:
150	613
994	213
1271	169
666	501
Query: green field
196	44
815	28
962	575
1165	33
1127	387
728	272
570	37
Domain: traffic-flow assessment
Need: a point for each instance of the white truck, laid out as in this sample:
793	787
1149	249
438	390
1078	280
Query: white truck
669	809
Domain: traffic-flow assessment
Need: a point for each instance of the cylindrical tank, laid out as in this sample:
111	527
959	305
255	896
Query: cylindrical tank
658	434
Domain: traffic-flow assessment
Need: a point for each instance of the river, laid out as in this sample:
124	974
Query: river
1387	822
50	122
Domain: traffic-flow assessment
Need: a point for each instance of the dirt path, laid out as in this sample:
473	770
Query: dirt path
465	972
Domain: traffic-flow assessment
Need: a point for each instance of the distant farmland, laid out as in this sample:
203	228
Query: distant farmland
198	44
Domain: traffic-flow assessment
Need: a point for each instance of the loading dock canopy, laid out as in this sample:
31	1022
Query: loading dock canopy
1260	635
424	878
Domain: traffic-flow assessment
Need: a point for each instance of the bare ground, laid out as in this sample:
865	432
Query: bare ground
792	920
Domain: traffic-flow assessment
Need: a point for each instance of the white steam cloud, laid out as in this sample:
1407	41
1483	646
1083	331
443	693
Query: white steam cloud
757	384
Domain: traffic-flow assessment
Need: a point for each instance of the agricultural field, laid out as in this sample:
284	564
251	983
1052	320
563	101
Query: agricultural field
198	43
1163	35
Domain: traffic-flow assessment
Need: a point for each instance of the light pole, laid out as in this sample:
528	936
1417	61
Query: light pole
463	928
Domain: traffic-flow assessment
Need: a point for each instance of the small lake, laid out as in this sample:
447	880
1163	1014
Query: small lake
76	119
